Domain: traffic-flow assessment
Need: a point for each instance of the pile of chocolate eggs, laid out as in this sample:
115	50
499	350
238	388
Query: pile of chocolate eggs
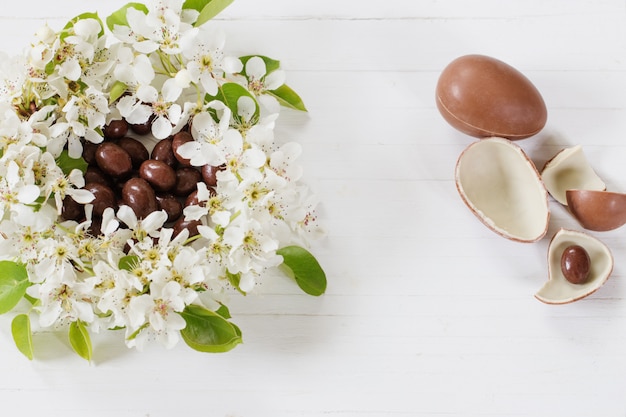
123	171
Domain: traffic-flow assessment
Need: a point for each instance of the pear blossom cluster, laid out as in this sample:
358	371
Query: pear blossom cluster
156	67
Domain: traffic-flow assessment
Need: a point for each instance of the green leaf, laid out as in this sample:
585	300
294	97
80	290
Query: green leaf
230	93
69	27
67	164
208	9
119	17
223	311
13	284
50	66
307	272
136	332
288	98
271	65
208	331
80	340
128	262
22	335
117	90
32	300
234	280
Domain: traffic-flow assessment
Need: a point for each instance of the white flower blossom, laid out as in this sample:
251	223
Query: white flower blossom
251	249
71	185
155	314
64	300
207	63
133	70
259	82
206	149
116	288
145	228
12	76
162	28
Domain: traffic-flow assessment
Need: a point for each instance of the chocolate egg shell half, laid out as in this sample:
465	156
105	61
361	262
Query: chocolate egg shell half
569	169
558	290
483	97
600	211
502	187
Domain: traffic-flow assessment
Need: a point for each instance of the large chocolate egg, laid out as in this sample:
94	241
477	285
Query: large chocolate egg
484	97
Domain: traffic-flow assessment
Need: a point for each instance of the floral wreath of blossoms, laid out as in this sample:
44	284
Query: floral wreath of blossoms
166	68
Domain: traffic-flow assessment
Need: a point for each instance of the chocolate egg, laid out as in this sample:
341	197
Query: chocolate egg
186	180
178	140
483	97
137	150
182	224
115	129
139	196
173	208
104	197
160	175
113	159
71	210
162	151
599	266
575	264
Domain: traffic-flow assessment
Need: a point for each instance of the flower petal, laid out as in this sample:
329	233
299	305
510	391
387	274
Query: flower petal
127	215
161	128
70	69
81	196
154	220
246	107
255	67
254	158
28	194
232	65
147	94
171	90
275	79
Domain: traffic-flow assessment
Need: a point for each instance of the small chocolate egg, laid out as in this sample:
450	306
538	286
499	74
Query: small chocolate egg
113	159
71	210
178	140
104	197
137	150
483	97
160	175
187	179
139	196
115	129
182	224
162	151
172	206
575	264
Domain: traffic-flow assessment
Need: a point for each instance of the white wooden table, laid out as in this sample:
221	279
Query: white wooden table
427	312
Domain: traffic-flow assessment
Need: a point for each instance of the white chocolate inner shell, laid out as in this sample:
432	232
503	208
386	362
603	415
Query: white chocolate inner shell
501	185
570	170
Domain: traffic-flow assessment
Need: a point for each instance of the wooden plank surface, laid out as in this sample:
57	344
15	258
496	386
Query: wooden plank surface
427	312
